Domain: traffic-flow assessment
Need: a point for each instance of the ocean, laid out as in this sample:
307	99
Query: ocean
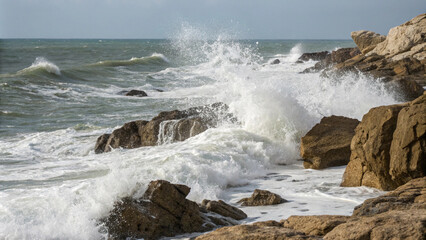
58	96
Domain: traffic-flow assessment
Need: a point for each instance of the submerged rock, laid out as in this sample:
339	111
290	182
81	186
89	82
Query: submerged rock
327	144
276	61
136	93
388	148
163	210
262	198
167	127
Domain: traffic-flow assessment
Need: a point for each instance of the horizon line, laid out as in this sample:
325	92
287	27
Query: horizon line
239	39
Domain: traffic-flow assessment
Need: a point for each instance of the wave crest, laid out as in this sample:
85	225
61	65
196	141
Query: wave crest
155	58
41	64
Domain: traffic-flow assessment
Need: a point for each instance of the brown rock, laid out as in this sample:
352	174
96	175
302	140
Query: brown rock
388	148
163	210
171	126
369	161
276	61
316	56
407	152
367	40
411	195
262	198
125	137
389	225
327	144
314	225
342	55
220	207
402	38
405	87
270	230
101	143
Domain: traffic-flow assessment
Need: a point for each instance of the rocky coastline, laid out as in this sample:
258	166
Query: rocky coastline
385	150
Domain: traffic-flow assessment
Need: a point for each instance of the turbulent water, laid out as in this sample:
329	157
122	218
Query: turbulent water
58	96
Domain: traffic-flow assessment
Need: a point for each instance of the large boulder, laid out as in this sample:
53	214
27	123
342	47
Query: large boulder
402	38
388	148
327	144
262	198
167	127
163	210
366	40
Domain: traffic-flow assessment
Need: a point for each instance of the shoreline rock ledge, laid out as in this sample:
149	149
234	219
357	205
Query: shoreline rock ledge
167	127
398	60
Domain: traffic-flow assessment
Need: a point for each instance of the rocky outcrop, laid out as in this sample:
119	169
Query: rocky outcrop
262	198
270	230
136	93
388	148
163	210
366	40
316	56
403	38
327	144
400	214
399	60
167	127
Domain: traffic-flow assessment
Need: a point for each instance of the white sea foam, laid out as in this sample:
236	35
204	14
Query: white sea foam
42	63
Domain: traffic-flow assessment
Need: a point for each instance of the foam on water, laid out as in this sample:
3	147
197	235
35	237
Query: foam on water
155	58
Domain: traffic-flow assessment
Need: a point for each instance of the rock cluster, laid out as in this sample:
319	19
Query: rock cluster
400	214
388	148
262	198
163	210
399	59
167	127
327	144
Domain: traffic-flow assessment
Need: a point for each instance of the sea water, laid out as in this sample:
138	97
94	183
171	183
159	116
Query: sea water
58	96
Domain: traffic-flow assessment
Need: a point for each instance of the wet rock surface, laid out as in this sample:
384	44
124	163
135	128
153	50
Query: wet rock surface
327	144
163	210
167	127
318	225
262	198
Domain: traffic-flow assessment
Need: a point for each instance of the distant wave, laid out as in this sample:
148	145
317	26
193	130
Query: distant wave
156	58
41	64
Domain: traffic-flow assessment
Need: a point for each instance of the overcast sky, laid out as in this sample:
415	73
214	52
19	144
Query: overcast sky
259	19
